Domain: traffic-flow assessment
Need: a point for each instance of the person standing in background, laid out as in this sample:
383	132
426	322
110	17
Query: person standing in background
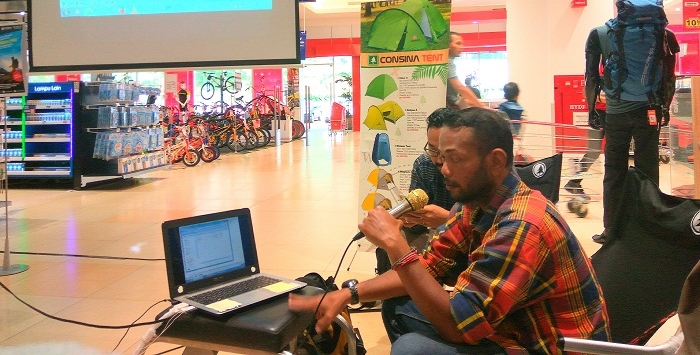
183	98
468	81
511	91
458	95
593	150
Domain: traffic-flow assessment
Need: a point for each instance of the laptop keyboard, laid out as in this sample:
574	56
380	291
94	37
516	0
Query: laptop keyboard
234	289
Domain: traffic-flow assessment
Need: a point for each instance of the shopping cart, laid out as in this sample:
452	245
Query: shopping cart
337	120
581	148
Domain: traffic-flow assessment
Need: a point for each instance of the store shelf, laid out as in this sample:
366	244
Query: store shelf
35	123
102	121
47	107
42	173
54	158
41	127
44	140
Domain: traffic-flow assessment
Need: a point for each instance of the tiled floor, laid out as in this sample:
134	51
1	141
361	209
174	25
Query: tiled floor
303	197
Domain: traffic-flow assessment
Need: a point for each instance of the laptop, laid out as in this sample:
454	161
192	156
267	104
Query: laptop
212	261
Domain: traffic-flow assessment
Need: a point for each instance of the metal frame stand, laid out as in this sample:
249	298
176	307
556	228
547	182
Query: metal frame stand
7	267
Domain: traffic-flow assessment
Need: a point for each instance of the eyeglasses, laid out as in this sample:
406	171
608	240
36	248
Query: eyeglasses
430	151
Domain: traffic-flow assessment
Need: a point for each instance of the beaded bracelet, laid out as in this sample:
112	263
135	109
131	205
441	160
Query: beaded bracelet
408	258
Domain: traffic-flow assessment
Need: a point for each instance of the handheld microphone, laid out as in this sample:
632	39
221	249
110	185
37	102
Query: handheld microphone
414	201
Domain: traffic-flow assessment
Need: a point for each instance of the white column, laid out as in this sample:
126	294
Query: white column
546	38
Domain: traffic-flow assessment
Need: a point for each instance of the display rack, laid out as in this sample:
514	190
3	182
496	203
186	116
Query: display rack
125	116
39	134
7	267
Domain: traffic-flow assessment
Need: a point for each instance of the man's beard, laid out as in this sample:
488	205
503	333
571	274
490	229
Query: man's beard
479	189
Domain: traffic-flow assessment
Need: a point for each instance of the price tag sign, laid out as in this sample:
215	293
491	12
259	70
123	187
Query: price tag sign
691	15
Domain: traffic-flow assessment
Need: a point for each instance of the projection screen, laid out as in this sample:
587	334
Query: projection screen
94	35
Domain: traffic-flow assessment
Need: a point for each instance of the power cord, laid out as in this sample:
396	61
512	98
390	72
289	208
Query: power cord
99	326
132	324
84	256
172	314
171	350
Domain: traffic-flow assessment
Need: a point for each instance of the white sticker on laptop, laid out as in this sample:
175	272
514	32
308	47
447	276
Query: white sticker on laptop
280	287
224	305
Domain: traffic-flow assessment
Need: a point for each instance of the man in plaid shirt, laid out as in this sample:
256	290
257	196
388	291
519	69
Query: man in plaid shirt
521	279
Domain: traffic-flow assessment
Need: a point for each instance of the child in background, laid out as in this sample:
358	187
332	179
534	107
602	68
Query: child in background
511	106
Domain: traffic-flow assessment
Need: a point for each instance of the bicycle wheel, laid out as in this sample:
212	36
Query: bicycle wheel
207	154
266	136
298	129
191	158
217	151
251	140
230	85
207	91
235	142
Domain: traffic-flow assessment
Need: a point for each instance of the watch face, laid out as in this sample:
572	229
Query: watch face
349	283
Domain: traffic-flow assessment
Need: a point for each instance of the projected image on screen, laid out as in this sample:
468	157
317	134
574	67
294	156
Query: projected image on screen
123	35
78	8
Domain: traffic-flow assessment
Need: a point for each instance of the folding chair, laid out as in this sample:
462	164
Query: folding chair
649	252
543	175
689	313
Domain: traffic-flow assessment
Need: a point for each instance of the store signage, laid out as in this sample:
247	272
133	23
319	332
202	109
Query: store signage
302	45
48	88
579	3
12	46
691	16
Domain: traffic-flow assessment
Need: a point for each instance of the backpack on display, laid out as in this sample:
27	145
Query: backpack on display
636	45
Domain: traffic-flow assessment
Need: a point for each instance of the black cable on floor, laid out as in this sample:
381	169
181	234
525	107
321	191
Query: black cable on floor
167	351
132	323
84	256
99	326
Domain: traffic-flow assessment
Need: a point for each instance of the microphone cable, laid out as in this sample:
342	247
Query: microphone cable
325	292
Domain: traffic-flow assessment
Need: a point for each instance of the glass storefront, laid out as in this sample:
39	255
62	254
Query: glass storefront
488	69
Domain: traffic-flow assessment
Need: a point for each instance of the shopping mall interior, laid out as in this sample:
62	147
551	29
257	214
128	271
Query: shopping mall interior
92	246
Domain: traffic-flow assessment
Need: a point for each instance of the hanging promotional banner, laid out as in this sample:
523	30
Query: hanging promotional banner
691	15
13	63
403	78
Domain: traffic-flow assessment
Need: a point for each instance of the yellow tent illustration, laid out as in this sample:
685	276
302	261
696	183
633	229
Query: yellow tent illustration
375	199
375	119
382	180
391	111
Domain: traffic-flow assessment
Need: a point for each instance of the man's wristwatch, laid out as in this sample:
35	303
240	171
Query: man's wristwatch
352	286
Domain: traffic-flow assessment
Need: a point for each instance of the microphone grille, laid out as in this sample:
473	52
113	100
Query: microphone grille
417	199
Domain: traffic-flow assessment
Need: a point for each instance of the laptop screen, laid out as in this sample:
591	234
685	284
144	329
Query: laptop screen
211	248
206	250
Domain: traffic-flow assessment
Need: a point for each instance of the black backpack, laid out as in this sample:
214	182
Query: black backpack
334	341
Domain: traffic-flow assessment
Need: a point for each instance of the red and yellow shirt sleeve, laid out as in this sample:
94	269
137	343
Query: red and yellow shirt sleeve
519	274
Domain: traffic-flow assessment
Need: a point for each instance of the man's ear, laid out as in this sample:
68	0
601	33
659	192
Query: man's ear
497	158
